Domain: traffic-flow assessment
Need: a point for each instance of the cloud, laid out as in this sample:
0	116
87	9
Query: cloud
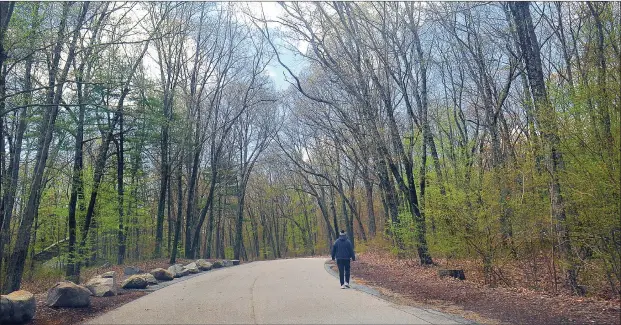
302	46
271	10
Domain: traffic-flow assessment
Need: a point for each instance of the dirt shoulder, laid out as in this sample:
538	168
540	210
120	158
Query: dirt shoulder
411	284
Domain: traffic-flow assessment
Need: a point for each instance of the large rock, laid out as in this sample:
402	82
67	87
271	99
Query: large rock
151	280
178	270
68	294
102	287
192	268
226	263
161	274
457	274
217	264
109	274
203	265
136	281
131	270
17	307
235	262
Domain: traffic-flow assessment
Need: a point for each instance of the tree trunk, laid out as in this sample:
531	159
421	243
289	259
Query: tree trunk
100	162
164	171
120	192
546	119
18	257
368	187
175	244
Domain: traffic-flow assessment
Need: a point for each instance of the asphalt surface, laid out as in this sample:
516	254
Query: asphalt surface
292	291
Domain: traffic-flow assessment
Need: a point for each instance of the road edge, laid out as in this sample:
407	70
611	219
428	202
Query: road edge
148	290
371	291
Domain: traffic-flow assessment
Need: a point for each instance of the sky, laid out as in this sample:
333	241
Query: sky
280	76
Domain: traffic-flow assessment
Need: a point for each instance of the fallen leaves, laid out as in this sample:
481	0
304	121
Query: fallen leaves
513	305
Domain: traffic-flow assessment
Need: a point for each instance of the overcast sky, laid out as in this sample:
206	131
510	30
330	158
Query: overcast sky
279	75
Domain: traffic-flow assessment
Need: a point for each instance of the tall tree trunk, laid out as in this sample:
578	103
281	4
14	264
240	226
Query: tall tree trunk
76	185
239	238
120	192
602	98
210	221
164	171
255	234
100	162
17	259
368	188
175	244
10	186
546	120
6	11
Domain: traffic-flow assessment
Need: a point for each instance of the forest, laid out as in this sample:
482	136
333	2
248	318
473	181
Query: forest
486	132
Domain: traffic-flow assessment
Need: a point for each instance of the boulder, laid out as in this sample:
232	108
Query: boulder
192	268
162	274
110	274
136	281
151	280
68	294
226	263
178	270
102	287
235	262
203	265
458	274
18	307
217	264
131	270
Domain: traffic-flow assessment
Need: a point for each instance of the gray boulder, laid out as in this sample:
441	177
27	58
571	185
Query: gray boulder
17	307
162	274
192	268
110	274
178	270
203	265
457	274
151	280
102	287
131	270
226	263
217	264
136	281
68	294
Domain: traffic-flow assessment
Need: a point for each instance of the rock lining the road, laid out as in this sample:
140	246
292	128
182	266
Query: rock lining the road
17	307
178	270
131	270
192	268
162	274
68	294
101	287
203	265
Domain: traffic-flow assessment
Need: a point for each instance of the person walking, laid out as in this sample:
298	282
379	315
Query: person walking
343	251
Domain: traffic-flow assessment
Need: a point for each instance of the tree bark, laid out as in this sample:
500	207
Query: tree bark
18	257
546	119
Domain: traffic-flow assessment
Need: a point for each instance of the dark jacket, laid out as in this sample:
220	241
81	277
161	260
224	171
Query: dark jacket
343	249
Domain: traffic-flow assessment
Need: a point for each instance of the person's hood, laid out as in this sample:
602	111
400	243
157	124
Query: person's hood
343	237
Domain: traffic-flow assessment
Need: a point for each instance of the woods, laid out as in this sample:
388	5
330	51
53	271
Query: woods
442	132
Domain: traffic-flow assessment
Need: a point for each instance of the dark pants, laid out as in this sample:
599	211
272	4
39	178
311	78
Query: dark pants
343	265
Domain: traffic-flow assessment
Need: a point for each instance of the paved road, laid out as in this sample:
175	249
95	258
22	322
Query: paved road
293	291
